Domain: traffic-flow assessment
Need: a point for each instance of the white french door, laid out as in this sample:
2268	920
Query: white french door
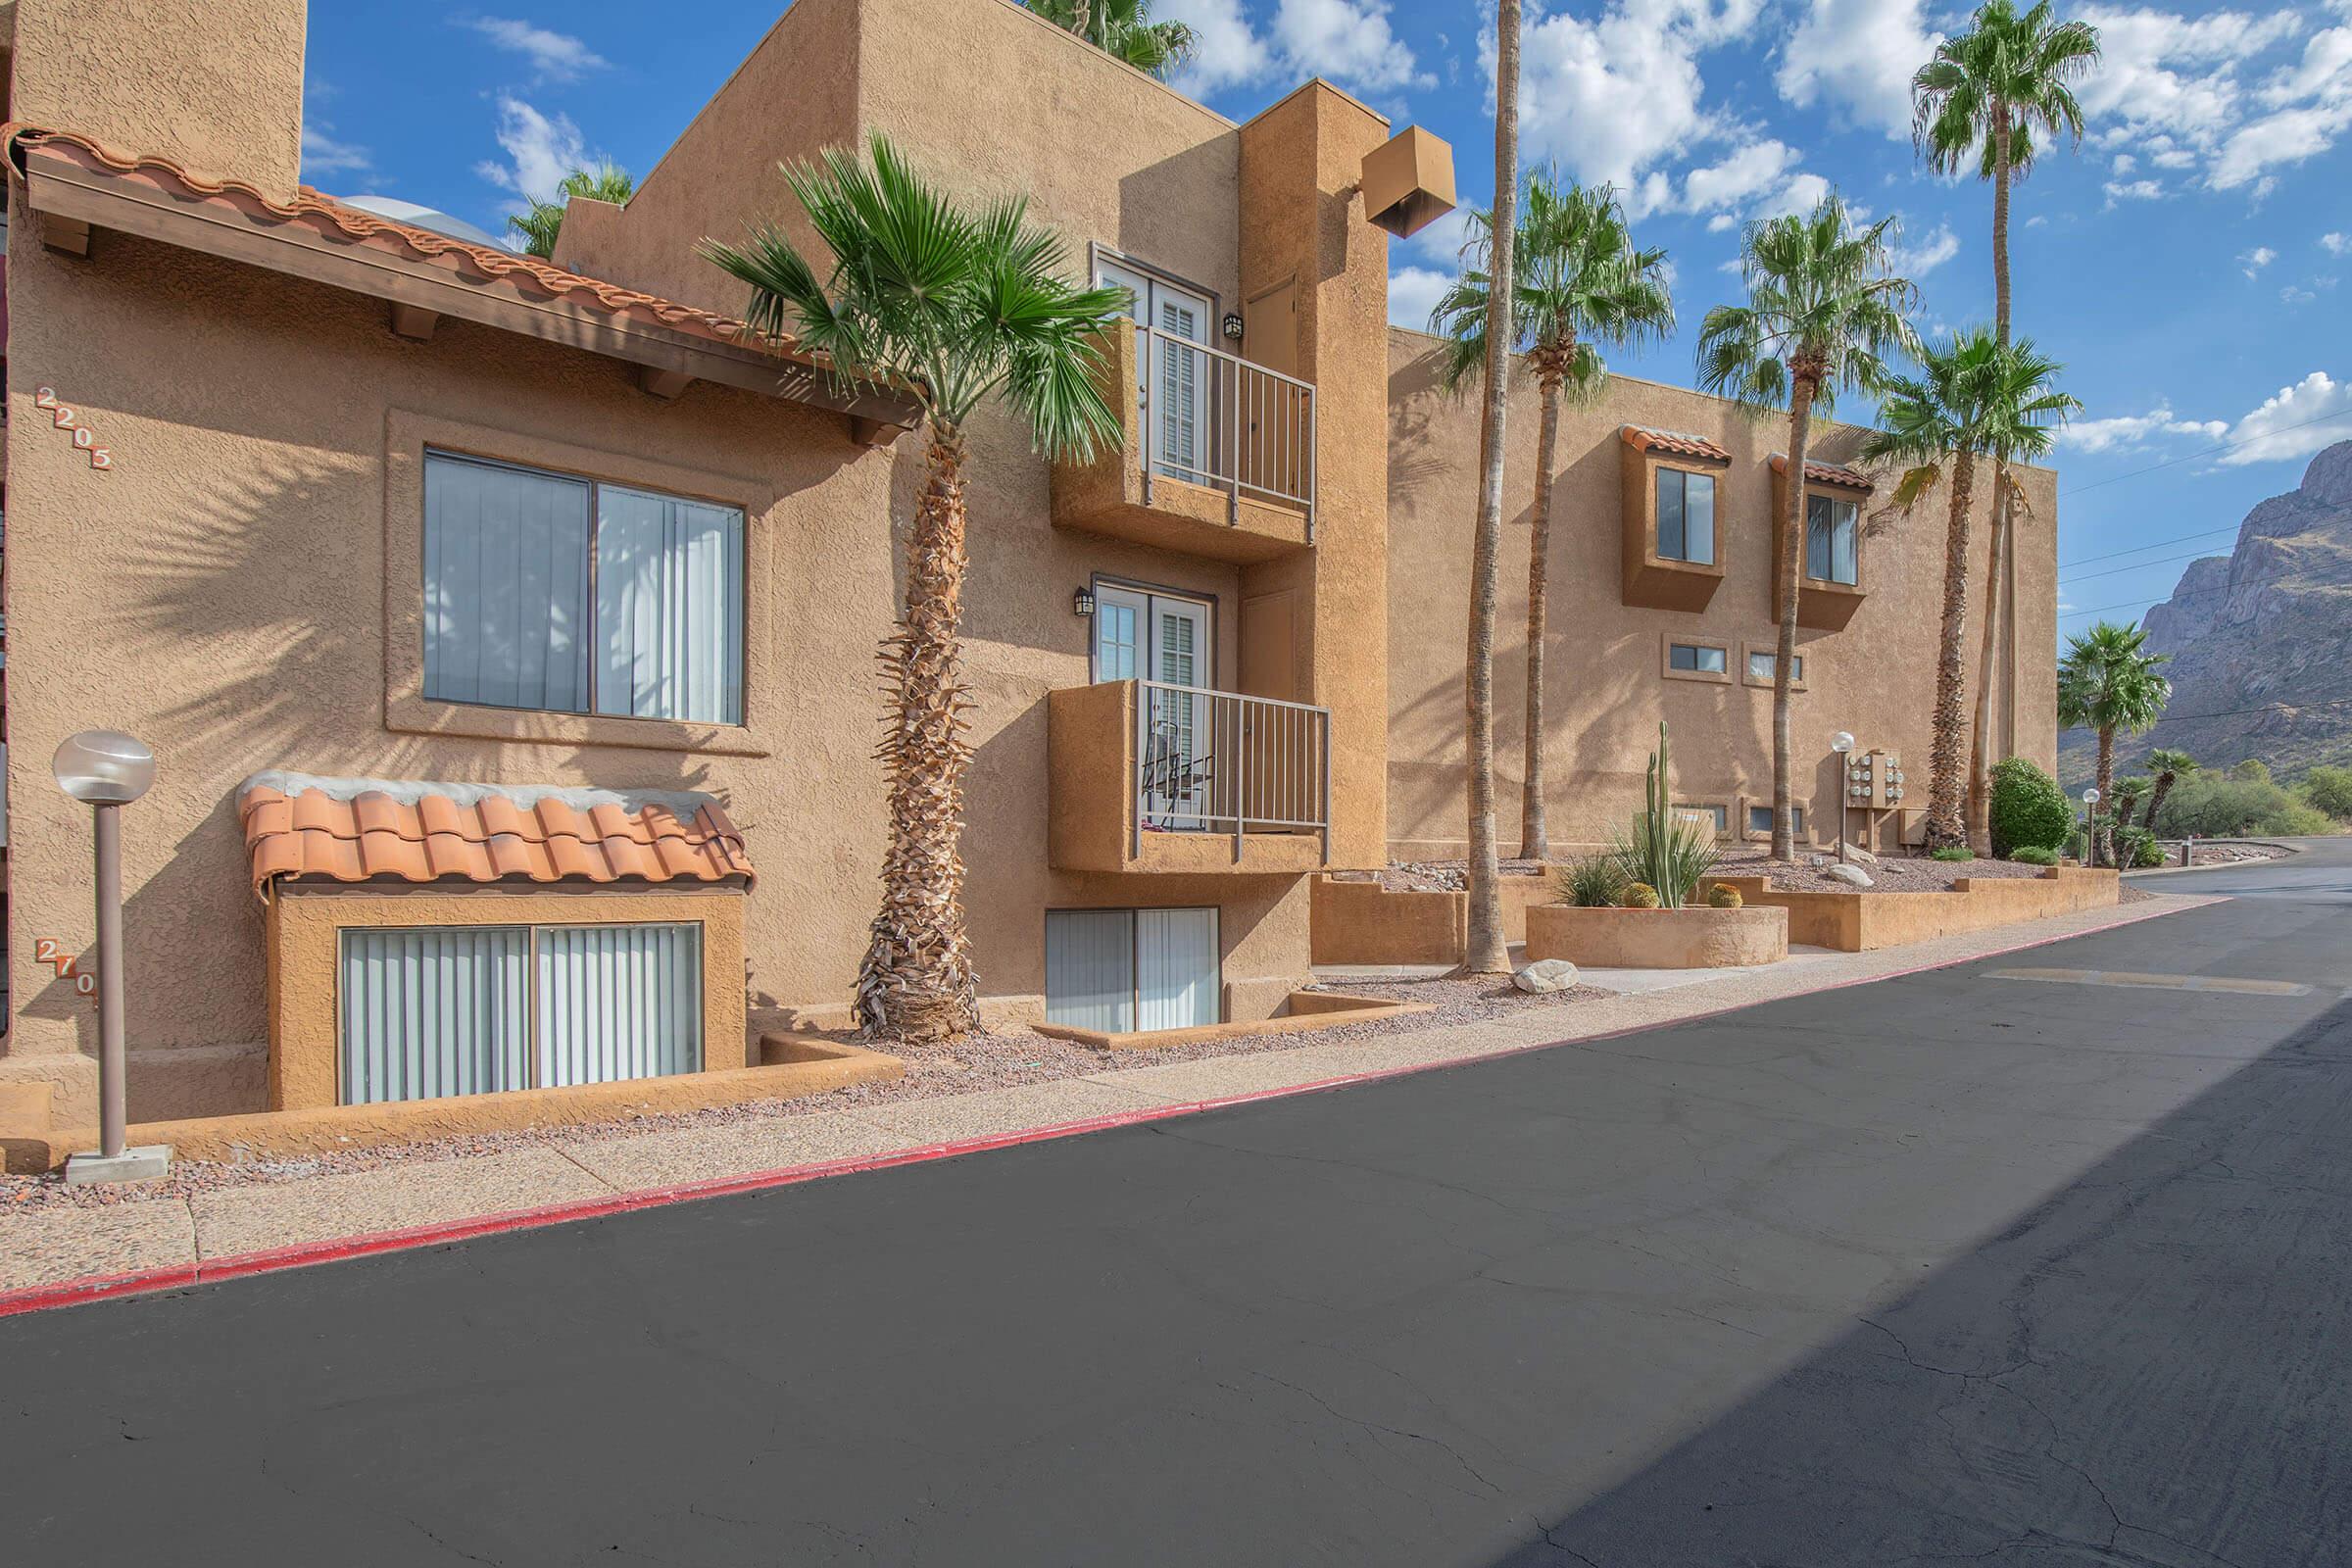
1165	638
1172	378
1118	970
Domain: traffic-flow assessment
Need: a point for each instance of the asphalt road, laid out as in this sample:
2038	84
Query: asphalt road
1950	1267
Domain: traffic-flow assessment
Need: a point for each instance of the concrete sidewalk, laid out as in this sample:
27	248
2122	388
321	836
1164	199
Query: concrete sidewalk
214	1230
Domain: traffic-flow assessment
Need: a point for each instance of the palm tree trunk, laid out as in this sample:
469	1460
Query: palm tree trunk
2163	783
2102	842
1792	555
917	982
1485	951
1947	720
1534	843
1081	16
2000	133
1996	606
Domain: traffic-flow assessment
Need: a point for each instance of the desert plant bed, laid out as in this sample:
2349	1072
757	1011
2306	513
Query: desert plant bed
1904	873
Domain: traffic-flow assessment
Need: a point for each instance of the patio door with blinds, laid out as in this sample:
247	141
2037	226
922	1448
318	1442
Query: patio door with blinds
1164	638
1124	970
431	1011
1174	380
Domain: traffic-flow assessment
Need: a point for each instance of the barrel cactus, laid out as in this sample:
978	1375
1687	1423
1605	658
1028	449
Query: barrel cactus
1638	896
1721	895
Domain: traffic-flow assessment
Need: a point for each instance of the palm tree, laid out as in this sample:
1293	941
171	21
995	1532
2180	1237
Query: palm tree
1125	30
951	306
1823	309
607	182
1981	101
1581	283
2129	791
2108	682
1484	949
1977	397
2168	766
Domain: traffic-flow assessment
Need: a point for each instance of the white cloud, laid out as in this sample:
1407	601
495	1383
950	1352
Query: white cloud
1859	56
2283	427
540	151
1348	40
1916	262
1618	96
2124	432
2137	190
321	154
2292	295
1231	53
1721	222
1748	173
554	56
2255	259
2124	164
1440	240
2288	136
1414	292
2336	244
1801	195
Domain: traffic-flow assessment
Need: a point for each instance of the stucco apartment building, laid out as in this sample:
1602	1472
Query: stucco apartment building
505	630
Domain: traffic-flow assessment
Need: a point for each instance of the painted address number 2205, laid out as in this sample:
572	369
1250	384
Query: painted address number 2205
64	417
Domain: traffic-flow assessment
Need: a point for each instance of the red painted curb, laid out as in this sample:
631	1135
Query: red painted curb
303	1254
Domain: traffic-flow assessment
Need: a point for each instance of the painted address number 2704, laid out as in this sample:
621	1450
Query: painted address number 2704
67	418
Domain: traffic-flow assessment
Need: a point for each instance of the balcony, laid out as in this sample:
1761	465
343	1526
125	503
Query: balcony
1168	779
1218	458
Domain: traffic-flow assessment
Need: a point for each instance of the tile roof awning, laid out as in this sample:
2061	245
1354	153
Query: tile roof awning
1674	442
1837	473
79	183
303	828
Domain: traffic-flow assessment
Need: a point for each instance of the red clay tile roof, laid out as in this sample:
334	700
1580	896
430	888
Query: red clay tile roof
1674	441
297	827
482	265
1825	472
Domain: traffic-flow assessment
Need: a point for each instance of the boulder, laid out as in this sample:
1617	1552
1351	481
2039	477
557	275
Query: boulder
1545	974
1850	875
1855	852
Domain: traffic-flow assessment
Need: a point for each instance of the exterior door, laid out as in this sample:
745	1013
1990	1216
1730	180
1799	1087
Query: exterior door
1162	638
1173	379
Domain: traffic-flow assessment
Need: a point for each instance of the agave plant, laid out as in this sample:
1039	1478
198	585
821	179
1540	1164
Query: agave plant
1665	849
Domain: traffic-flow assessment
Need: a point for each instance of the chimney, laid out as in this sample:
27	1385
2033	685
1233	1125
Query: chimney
214	85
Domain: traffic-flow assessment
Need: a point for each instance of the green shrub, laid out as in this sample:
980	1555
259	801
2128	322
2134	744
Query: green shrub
2147	853
2027	808
2033	855
1723	896
1951	852
1638	896
2136	847
1592	883
2224	805
1667	850
2330	790
2253	770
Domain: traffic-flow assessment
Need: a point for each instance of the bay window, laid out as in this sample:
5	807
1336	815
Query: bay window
1686	516
1831	525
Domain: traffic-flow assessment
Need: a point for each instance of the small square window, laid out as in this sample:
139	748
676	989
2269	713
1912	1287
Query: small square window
1686	516
1760	667
1696	657
1720	815
1759	819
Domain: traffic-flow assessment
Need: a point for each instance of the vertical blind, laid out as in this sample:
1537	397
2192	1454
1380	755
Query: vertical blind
1829	527
1118	970
474	1009
545	591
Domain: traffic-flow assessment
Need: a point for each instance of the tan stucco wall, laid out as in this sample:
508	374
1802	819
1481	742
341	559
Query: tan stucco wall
222	591
1605	688
304	930
1693	937
1857	922
214	84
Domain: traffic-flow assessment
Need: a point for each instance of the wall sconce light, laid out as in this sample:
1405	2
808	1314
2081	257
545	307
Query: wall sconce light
1233	325
1082	602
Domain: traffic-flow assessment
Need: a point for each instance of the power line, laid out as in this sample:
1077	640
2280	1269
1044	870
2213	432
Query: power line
2241	712
2194	592
2140	566
2169	462
2069	565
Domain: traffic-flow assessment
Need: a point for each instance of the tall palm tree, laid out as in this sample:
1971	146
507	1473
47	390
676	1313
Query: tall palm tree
2168	766
1984	100
951	307
1581	283
1977	397
607	182
2108	682
1125	30
1484	950
1824	310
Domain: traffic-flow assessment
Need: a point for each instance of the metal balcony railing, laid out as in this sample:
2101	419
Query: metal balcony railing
1213	419
1211	761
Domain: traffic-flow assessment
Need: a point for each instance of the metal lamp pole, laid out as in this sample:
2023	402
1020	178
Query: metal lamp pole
1842	743
2090	832
106	771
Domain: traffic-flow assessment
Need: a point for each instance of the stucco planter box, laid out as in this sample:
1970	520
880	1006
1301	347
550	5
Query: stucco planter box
1695	937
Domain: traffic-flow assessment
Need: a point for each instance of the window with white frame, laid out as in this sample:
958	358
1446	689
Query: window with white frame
1831	525
1686	516
1698	659
567	594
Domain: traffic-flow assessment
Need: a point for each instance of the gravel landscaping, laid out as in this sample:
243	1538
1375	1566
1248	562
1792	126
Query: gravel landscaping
969	1065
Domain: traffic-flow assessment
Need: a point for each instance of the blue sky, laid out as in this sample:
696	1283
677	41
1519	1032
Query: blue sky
2191	264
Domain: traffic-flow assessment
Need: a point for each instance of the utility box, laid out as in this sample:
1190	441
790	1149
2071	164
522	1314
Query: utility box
1874	781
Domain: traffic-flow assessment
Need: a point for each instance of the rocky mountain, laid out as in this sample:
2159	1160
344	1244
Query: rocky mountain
2260	639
